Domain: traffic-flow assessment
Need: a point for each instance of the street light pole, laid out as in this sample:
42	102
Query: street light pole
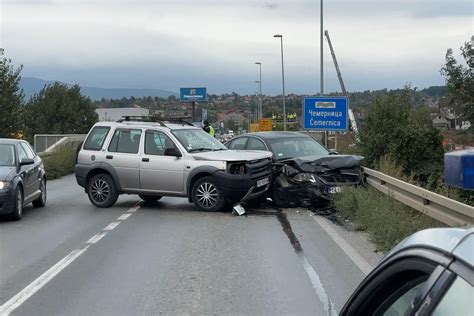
260	90
259	110
282	79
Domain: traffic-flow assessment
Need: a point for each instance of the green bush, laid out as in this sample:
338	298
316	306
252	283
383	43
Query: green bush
60	163
385	219
395	127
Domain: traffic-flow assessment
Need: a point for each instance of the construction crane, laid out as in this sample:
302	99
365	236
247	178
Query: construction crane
343	87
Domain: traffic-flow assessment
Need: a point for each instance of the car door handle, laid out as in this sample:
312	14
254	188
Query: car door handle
145	159
109	157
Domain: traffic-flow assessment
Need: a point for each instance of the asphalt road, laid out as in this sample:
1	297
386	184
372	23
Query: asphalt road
71	258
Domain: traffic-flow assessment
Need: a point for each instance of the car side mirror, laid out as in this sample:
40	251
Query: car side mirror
26	161
173	152
333	152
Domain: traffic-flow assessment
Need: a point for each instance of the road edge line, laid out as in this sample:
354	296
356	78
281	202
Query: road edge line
359	261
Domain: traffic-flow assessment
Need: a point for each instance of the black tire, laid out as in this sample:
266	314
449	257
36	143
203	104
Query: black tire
102	191
17	213
206	195
150	198
41	200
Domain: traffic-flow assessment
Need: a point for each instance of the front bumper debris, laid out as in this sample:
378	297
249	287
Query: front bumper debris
312	181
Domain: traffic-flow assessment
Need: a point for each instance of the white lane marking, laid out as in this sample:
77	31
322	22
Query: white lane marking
124	216
13	303
94	239
41	281
112	226
328	305
363	265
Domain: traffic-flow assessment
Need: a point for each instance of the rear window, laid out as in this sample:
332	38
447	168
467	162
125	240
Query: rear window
96	138
125	141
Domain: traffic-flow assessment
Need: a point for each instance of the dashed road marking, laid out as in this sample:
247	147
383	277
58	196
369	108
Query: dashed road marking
363	265
94	239
41	281
13	303
112	226
124	216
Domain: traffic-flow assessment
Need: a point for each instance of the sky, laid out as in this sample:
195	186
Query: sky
166	44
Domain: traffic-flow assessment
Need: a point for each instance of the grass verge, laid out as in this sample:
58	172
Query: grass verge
386	220
60	163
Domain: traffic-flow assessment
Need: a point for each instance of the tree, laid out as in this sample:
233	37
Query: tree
395	127
460	79
57	109
11	98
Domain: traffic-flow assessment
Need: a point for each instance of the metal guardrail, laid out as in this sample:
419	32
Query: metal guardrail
441	208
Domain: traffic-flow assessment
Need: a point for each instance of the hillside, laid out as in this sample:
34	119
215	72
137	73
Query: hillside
32	85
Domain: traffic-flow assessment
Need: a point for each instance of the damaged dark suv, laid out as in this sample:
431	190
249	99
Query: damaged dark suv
305	172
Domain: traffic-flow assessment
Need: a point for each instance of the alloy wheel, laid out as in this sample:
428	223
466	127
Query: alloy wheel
100	190
207	195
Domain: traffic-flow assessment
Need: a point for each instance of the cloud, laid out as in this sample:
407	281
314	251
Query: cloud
168	44
270	5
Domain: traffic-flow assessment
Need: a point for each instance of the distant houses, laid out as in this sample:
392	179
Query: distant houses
446	118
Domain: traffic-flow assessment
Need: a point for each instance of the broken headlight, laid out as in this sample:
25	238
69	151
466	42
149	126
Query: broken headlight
237	168
304	177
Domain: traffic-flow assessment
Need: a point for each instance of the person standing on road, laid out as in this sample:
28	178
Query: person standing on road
208	128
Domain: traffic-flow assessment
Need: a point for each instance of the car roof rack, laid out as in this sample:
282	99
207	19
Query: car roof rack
152	119
138	118
178	121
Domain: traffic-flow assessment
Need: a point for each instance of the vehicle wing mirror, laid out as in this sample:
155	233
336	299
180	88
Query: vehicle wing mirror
173	152
26	161
333	152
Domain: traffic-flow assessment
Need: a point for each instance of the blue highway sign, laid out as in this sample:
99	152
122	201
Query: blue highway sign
193	94
325	113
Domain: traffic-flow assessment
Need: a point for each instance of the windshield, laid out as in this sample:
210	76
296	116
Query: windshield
296	147
195	140
7	155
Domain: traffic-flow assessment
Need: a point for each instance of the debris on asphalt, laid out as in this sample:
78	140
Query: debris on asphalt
238	209
330	213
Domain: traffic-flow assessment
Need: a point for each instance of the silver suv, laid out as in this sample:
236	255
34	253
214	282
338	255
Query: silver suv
155	159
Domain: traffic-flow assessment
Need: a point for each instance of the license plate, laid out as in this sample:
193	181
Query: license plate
261	183
333	190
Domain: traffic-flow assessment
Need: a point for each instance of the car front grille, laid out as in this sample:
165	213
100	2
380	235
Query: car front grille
259	169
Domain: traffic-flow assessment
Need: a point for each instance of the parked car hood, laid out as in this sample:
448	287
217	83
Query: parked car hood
5	172
232	155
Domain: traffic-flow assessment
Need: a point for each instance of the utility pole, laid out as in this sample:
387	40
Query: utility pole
321	44
321	66
260	107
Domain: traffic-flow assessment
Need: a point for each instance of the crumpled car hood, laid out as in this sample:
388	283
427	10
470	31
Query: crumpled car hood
318	164
328	172
232	155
